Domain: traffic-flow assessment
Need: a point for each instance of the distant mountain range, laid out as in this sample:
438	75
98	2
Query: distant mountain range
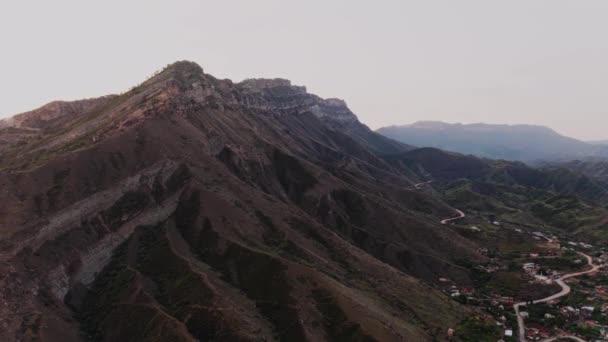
510	142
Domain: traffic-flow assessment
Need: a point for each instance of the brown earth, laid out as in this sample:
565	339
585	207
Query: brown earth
192	208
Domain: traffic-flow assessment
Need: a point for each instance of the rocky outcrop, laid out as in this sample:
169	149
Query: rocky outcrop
261	84
279	95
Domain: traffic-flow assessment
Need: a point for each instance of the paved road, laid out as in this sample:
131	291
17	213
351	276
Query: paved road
444	221
564	291
460	215
418	186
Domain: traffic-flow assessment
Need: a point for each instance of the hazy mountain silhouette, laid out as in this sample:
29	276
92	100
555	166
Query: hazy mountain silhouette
510	142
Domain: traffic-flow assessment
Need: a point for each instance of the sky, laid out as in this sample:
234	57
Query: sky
394	62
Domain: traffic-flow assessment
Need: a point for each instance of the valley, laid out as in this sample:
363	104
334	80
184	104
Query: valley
575	324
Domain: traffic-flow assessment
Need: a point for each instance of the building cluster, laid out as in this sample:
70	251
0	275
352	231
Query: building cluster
540	275
588	310
536	333
466	291
580	244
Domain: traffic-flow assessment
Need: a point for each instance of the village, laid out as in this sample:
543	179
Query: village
553	287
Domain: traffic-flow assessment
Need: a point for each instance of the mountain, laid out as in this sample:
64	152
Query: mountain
510	142
566	200
195	208
595	169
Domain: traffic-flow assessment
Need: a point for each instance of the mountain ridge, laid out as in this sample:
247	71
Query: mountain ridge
528	143
130	210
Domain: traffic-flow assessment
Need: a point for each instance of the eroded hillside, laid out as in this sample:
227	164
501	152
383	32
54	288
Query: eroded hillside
197	208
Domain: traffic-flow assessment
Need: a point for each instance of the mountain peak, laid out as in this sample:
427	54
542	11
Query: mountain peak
174	90
181	71
184	67
274	94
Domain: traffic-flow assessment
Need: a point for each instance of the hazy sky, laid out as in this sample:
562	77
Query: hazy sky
509	61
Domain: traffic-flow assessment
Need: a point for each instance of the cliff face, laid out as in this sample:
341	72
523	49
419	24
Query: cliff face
279	95
193	208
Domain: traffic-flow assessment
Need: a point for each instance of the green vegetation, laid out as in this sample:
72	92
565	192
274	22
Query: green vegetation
566	212
537	316
476	329
467	199
506	283
587	331
563	263
532	202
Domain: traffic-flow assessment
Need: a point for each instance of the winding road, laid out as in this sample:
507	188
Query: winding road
565	291
448	220
565	288
445	221
418	185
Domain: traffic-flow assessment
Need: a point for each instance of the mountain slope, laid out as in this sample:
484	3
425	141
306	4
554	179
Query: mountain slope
193	208
564	199
510	142
594	169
